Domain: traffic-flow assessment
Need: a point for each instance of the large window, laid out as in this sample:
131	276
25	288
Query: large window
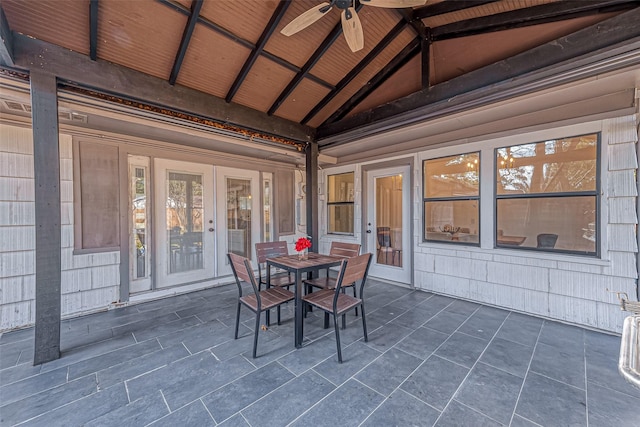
451	199
340	203
547	195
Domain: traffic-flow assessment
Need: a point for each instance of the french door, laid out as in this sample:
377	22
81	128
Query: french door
185	222
238	209
388	223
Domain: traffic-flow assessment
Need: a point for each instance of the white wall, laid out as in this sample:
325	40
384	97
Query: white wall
570	288
89	281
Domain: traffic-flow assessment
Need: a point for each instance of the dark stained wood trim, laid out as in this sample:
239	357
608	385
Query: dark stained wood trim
535	15
258	48
447	7
108	78
410	51
46	162
93	29
246	43
391	35
186	38
607	46
304	71
311	168
425	51
6	46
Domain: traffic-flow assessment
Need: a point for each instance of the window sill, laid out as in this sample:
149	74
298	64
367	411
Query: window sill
95	250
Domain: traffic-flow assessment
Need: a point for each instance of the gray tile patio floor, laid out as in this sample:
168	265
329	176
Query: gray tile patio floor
430	360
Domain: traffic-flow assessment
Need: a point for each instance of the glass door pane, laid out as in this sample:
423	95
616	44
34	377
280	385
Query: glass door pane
139	198
389	220
184	205
239	201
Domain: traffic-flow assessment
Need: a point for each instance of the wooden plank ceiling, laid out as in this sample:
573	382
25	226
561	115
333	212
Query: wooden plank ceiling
234	50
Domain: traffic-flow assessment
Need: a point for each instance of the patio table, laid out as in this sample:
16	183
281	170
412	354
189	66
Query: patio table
313	263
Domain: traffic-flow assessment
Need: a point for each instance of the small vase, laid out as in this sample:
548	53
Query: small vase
302	255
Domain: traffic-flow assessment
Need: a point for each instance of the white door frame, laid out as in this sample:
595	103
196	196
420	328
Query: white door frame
163	277
221	174
402	274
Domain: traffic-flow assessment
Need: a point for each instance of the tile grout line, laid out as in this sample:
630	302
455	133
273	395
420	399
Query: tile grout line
472	366
424	361
526	374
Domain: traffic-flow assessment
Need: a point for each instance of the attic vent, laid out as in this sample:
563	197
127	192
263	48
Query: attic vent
64	116
16	106
78	118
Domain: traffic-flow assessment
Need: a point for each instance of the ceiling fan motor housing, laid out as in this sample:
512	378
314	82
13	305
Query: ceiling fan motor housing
343	4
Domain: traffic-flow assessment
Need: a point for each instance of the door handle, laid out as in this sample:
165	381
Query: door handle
369	231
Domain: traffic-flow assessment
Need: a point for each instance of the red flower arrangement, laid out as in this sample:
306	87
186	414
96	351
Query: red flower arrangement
302	244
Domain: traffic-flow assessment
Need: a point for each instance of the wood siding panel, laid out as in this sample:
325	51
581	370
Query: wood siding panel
212	62
302	99
264	83
365	76
339	59
622	210
622	156
621	237
621	130
141	35
622	183
34	19
298	48
255	15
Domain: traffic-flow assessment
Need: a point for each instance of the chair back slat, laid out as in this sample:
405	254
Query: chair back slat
347	250
266	250
356	268
241	267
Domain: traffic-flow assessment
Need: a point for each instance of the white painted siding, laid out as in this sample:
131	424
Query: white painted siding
89	281
562	287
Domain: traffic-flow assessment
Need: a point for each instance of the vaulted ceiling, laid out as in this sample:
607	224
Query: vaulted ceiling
312	82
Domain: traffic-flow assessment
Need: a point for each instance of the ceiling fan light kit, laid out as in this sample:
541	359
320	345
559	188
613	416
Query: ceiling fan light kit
351	25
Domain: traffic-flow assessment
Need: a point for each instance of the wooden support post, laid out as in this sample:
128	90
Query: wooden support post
46	159
311	152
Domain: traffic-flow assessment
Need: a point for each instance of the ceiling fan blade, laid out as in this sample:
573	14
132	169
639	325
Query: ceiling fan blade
394	3
306	19
352	29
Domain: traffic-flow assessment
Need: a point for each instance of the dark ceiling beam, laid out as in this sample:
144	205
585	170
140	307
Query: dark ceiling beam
607	46
108	78
243	42
6	44
447	7
304	71
93	30
408	53
424	35
258	48
425	50
384	43
186	38
535	15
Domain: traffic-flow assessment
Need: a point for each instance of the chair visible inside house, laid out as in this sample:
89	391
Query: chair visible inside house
546	240
255	299
336	303
384	244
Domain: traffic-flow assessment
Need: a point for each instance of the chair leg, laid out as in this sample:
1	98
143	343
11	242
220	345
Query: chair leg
278	315
326	320
255	335
354	295
344	321
364	323
237	320
337	328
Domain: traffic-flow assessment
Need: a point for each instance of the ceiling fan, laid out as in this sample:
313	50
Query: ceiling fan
351	26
